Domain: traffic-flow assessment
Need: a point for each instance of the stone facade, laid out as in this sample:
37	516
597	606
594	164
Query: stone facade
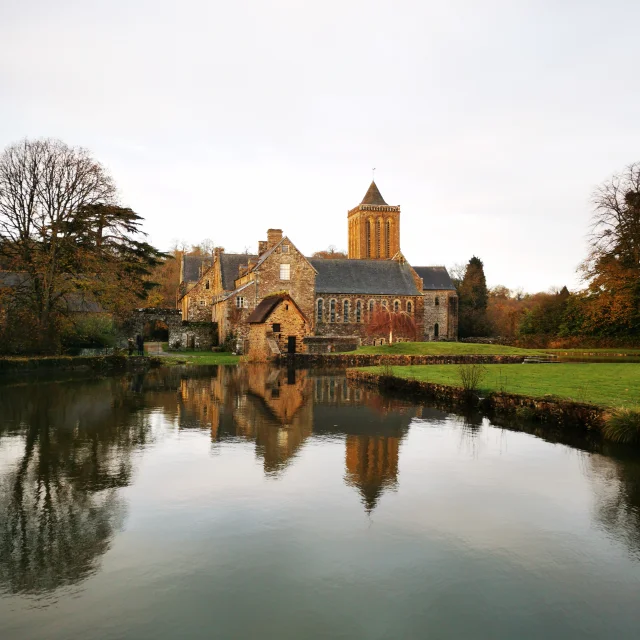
276	326
340	315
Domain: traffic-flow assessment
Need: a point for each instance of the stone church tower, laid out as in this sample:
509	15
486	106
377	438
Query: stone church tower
374	228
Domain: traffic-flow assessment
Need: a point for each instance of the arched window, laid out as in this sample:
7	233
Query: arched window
396	306
320	309
358	311
388	238
371	304
436	330
332	311
379	253
368	237
409	307
436	301
345	311
384	304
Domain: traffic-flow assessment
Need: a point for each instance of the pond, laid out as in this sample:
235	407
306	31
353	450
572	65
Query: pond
249	502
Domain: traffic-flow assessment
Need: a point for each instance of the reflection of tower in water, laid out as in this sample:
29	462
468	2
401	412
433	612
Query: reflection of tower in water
372	466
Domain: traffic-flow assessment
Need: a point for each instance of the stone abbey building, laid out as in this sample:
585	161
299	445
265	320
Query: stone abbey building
333	298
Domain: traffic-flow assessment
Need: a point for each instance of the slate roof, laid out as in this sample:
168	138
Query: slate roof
368	277
268	304
435	278
373	196
191	267
229	266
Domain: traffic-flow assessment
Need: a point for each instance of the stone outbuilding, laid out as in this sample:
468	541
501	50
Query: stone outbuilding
277	326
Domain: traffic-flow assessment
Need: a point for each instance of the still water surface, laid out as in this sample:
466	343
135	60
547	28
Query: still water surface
256	503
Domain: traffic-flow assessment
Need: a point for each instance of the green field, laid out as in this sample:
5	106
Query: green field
199	357
608	385
445	348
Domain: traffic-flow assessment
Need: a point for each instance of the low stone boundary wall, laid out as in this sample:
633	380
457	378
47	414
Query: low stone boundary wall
343	360
77	363
558	411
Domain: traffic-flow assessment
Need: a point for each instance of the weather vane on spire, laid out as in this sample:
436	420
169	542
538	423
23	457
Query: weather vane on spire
373	174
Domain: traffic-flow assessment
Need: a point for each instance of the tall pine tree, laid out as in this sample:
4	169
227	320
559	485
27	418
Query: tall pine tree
473	296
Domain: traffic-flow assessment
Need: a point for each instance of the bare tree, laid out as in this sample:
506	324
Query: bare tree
615	224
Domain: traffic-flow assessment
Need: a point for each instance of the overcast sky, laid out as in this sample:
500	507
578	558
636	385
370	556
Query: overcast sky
490	123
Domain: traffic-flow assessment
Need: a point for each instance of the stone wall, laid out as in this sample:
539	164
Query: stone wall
331	344
200	336
440	307
561	412
370	360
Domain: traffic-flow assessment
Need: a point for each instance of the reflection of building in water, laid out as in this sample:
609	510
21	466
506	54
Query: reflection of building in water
372	465
374	427
279	409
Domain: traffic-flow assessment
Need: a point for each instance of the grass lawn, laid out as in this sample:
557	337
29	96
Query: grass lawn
445	348
610	385
200	357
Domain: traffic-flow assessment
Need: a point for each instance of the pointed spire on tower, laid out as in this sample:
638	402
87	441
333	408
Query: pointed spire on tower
373	196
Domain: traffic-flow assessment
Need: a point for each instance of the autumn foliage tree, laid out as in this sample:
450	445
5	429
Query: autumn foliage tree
612	268
394	324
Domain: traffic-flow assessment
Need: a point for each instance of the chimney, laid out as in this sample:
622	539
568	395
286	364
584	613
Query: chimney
218	250
262	247
273	237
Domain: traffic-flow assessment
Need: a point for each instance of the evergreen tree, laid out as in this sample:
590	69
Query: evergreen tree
473	298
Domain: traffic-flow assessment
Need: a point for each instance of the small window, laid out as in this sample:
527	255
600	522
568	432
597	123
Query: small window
203	303
285	272
207	285
320	309
285	248
371	306
436	301
345	311
276	327
396	306
409	307
241	302
332	311
275	393
358	311
436	330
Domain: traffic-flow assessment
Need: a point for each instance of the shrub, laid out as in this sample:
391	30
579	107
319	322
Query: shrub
623	425
471	375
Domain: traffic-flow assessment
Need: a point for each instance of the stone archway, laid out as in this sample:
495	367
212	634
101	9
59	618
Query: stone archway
144	322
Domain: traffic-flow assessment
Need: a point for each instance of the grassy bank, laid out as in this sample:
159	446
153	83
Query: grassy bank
199	358
605	385
444	349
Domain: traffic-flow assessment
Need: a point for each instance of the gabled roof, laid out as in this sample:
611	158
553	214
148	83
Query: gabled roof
267	253
191	267
435	278
14	279
367	277
267	305
373	196
229	267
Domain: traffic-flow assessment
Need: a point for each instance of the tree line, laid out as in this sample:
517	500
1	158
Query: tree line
607	307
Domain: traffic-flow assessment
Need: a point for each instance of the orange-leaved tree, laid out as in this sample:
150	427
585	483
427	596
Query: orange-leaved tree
394	323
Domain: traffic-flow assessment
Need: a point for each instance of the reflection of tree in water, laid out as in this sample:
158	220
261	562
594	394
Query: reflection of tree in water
616	484
59	502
